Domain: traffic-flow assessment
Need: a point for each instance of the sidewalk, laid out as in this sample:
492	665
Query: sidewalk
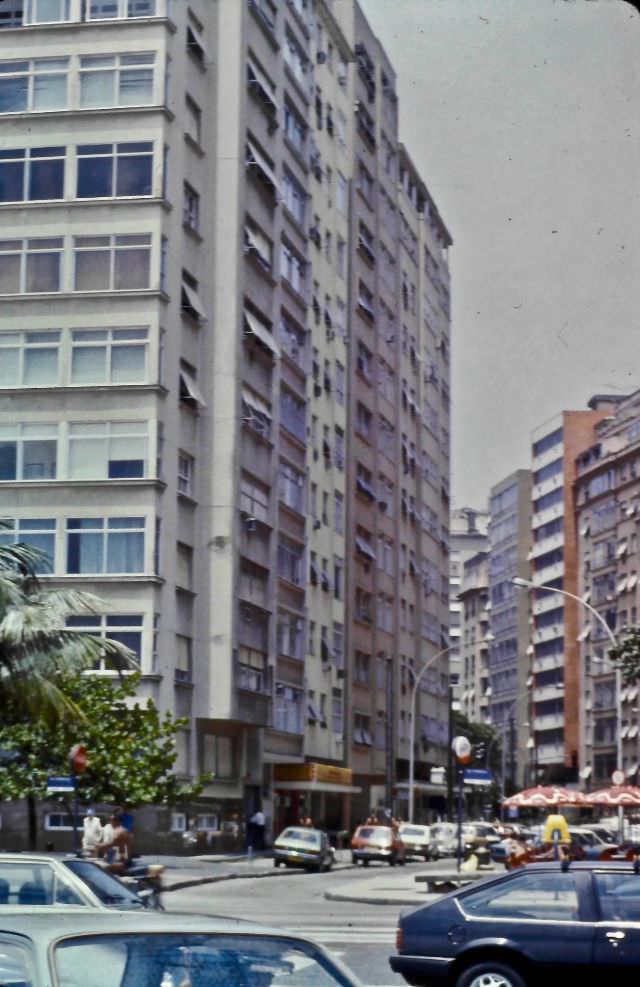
385	887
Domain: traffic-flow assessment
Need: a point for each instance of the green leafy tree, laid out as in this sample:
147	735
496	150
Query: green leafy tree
131	747
627	655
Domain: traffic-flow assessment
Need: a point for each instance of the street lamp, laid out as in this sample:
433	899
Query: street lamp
528	584
414	692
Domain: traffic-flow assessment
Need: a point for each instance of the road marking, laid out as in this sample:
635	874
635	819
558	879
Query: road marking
327	934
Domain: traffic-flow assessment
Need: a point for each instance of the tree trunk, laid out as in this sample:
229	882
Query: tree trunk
32	822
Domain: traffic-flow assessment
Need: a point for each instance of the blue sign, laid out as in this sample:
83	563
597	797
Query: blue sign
477	776
60	785
512	812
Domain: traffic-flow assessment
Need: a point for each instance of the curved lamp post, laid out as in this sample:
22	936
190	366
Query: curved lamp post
414	692
528	585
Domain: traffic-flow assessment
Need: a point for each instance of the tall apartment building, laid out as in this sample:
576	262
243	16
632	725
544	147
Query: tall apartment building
510	649
468	537
192	409
607	505
555	623
474	644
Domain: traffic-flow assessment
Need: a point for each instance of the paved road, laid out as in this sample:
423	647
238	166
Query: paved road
363	935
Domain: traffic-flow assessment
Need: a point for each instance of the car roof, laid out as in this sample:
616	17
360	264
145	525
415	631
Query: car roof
67	921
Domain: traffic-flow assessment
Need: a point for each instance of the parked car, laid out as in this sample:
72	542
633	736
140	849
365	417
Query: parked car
111	949
377	843
608	834
545	923
416	840
591	844
444	840
478	838
28	879
298	846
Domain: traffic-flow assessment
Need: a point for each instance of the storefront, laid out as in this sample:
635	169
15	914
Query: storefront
320	792
430	801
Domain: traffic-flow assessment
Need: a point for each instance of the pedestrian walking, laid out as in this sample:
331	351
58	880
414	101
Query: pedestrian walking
257	827
91	833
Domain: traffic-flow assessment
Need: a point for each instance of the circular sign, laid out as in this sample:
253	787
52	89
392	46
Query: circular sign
618	777
462	749
78	758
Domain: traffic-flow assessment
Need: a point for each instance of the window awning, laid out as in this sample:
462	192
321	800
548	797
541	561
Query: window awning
259	79
621	549
584	634
586	771
255	157
584	530
633	732
632	581
196	45
191	303
189	390
632	695
254	327
255	402
621	584
364	548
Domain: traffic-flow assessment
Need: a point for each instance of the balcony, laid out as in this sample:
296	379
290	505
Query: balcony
550	722
550	753
547	544
548	633
547	692
543	576
547	662
547	486
546	457
544	517
550	601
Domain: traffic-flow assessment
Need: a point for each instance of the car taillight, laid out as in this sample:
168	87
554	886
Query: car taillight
399	939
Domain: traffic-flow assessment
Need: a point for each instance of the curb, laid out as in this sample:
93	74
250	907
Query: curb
362	900
217	879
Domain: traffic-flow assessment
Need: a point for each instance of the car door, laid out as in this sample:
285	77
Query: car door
617	933
538	911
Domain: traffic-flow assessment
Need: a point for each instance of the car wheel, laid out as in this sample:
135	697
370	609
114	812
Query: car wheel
365	862
276	863
329	864
393	860
354	859
490	973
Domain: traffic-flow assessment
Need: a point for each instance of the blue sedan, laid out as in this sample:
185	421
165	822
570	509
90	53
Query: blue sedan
543	924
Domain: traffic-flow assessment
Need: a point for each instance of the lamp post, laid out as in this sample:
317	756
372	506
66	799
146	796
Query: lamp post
528	585
414	692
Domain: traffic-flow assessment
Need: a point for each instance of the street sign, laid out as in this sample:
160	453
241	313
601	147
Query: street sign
60	785
477	776
618	777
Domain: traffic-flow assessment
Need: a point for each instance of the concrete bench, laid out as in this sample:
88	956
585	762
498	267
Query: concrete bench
442	881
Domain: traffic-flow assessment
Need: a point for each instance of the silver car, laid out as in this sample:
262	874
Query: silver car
74	948
28	879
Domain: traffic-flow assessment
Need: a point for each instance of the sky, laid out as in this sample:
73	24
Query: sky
523	117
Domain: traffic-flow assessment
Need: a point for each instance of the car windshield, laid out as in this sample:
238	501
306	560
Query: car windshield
152	960
414	831
374	833
105	886
440	832
310	837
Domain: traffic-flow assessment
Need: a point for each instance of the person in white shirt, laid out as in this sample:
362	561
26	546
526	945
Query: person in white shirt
257	823
91	833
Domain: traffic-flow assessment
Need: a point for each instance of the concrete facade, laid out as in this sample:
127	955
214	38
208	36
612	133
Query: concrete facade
475	643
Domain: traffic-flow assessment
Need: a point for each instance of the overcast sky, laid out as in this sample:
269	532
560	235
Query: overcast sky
524	119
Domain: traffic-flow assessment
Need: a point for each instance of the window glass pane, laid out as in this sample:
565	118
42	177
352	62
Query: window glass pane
125	551
132	269
102	9
49	92
84	552
9	367
95	177
619	896
40	367
9	274
89	364
538	896
134	175
128	363
92	270
46	179
11	181
39	460
13	95
43	272
136	87
87	459
97	88
8	460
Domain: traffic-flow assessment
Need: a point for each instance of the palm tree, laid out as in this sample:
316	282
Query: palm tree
35	643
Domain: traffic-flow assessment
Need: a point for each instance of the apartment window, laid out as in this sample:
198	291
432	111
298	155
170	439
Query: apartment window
101	10
256	412
327	245
108	170
290	635
339	382
364	420
325	507
362	730
28	452
30	266
292	413
364	606
31	85
29	359
195	43
338	513
338	645
254	498
365	182
338	448
365	301
105	545
295	60
292	337
289	709
341	258
295	129
116	80
108	450
32	174
292	487
257	245
183	669
290	561
337	715
365	362
112	263
294	197
125	628
312	638
38	533
193	121
25	12
338	578
190	207
341	193
186	465
292	268
109	356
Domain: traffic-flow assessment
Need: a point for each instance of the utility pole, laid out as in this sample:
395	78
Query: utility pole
388	788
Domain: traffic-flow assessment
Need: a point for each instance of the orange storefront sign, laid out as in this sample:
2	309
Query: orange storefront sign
313	771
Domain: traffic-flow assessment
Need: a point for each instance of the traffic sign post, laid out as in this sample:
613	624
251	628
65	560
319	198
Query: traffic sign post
61	785
463	753
618	777
78	761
